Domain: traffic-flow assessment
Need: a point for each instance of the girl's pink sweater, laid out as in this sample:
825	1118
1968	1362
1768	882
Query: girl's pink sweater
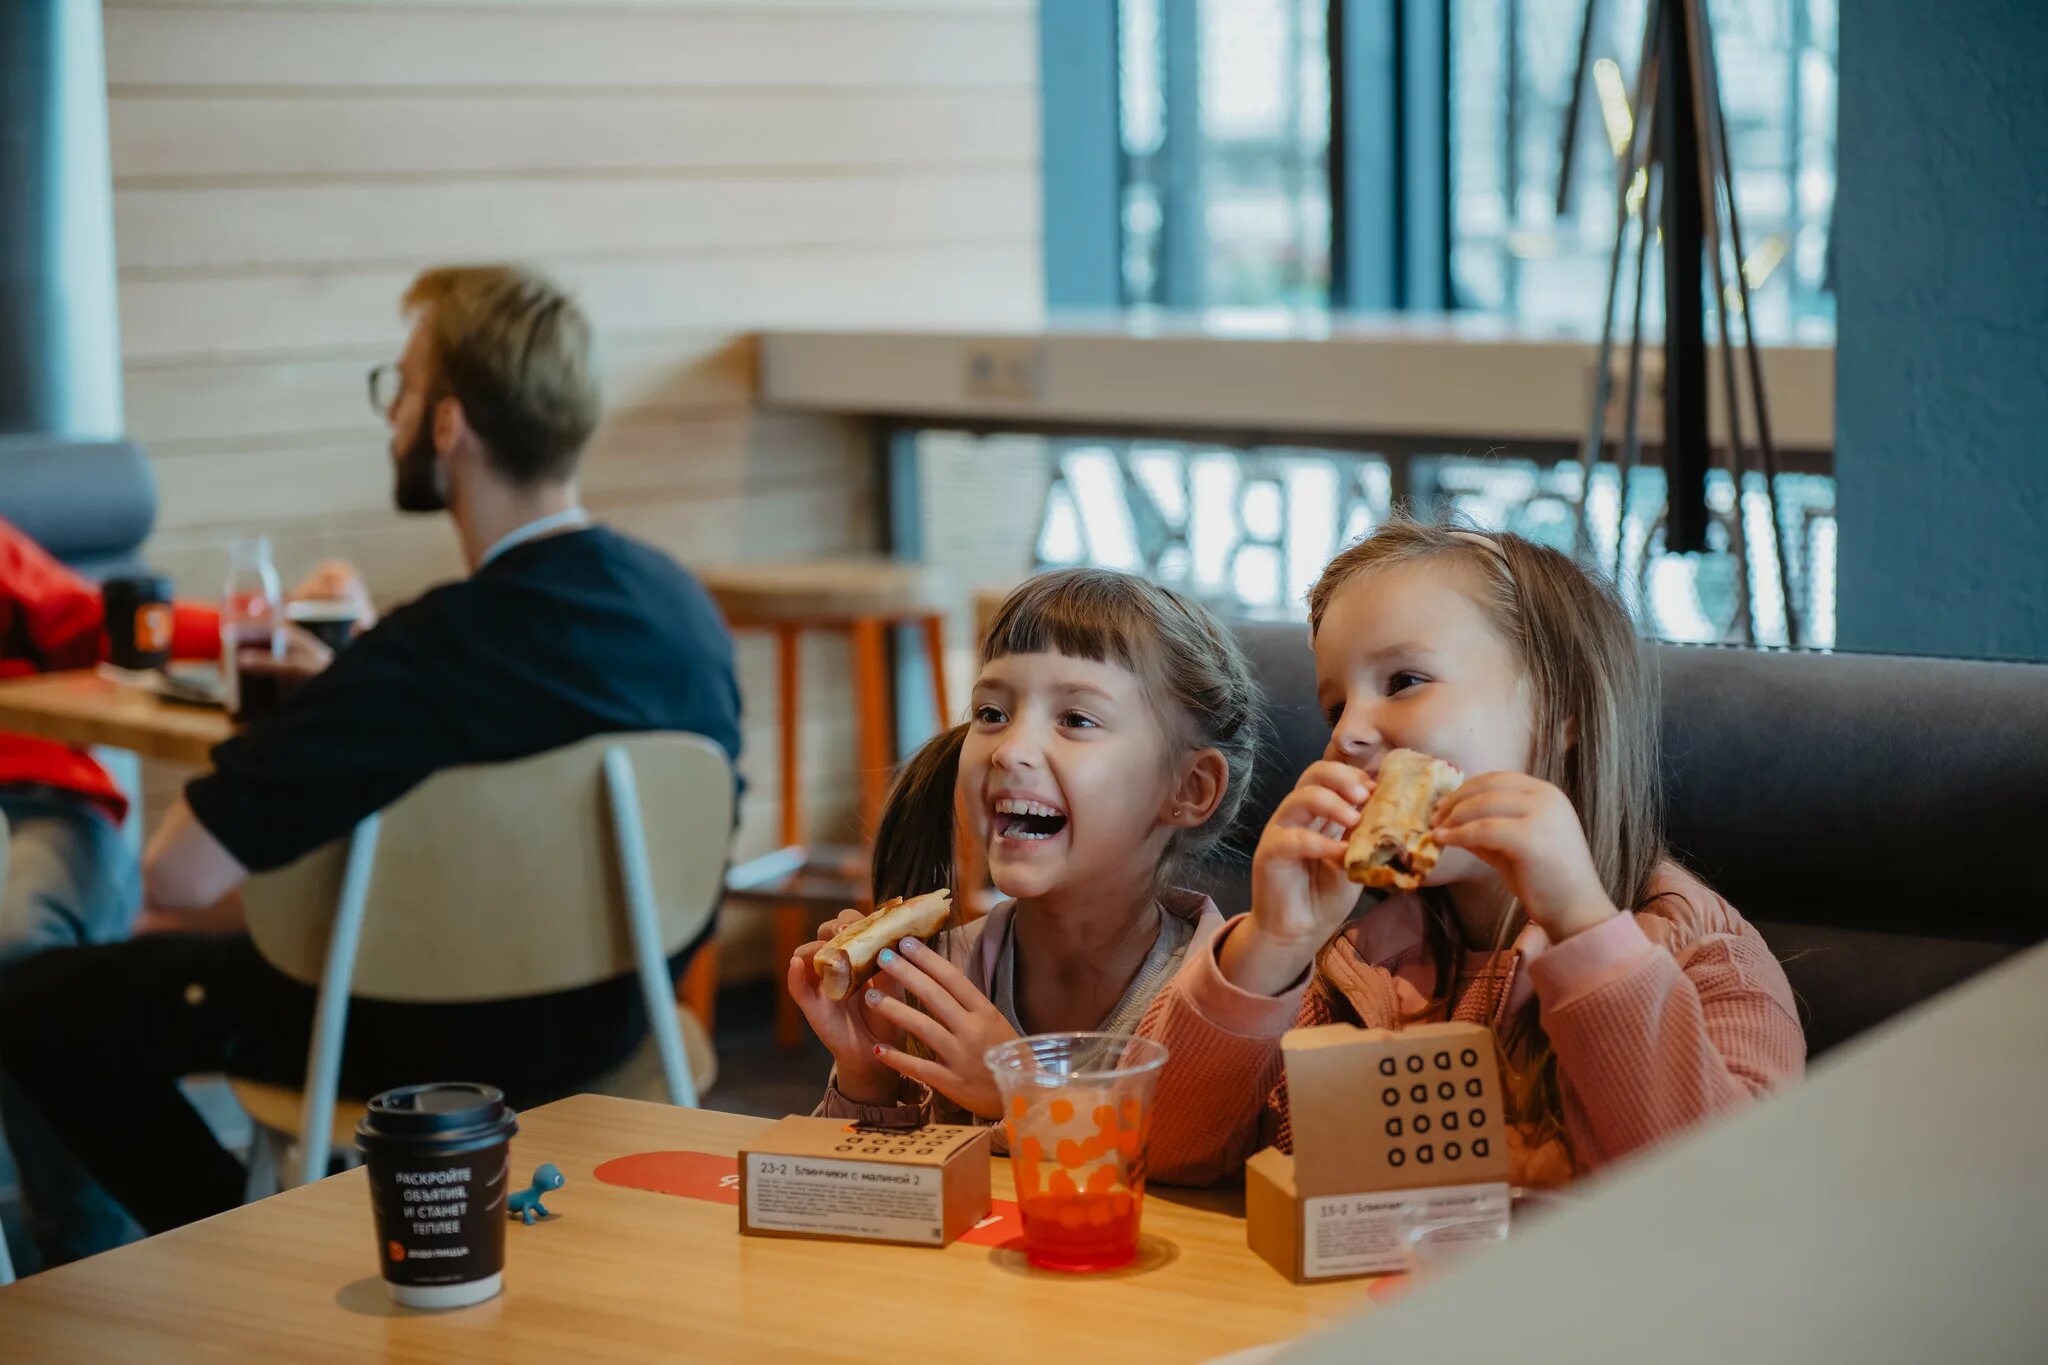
1659	1019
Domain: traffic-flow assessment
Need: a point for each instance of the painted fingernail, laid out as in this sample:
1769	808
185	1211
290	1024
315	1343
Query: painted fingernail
910	945
887	957
874	997
879	1049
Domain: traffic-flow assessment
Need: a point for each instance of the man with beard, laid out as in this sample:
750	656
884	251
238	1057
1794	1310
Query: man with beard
563	629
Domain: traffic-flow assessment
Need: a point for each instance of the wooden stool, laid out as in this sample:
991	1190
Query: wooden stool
861	599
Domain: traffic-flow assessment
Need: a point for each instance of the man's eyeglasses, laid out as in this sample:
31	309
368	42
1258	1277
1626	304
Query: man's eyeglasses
386	383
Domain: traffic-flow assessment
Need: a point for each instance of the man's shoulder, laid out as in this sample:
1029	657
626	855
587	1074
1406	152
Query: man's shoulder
596	551
642	558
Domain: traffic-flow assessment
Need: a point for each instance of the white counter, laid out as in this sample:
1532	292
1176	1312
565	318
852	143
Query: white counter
1254	380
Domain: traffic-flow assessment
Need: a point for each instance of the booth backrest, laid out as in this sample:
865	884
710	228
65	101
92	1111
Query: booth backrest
89	503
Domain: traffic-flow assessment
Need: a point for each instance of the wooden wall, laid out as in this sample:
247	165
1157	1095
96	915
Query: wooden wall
693	170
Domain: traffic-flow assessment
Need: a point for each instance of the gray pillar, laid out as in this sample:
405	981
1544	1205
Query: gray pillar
60	354
1941	383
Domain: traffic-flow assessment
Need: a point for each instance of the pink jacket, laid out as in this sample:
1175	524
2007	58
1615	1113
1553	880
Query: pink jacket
1659	1020
976	948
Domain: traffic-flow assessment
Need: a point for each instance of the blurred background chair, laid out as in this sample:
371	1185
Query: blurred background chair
497	881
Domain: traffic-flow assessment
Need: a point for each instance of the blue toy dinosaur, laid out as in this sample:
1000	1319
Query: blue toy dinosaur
526	1205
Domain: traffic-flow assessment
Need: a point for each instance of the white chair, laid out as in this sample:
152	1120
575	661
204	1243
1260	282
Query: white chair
496	881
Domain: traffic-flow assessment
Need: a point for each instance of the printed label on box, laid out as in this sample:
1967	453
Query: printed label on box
1360	1234
873	1200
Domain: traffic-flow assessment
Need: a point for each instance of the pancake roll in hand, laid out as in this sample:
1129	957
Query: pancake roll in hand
849	960
1391	847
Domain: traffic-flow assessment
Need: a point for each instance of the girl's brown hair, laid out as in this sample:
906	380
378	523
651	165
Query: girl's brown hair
1595	732
1209	699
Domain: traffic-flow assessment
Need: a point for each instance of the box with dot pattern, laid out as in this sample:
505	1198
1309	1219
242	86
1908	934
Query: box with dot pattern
1375	1109
1383	1121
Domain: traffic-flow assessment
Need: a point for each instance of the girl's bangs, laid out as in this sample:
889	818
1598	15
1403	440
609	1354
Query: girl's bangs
1082	614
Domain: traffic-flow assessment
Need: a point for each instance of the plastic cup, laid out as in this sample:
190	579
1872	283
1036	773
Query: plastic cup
1077	1108
1432	1243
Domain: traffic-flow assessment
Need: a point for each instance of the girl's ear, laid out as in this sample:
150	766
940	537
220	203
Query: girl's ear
1200	790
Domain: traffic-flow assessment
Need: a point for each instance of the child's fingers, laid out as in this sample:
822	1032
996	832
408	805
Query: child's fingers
1311	806
939	1078
1484	805
937	999
1348	782
803	988
1301	845
1495	834
902	1020
1486	783
934	964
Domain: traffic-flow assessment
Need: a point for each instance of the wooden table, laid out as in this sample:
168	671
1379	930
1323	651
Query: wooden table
626	1275
84	708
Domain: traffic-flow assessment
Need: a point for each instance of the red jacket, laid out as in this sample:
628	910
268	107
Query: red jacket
50	619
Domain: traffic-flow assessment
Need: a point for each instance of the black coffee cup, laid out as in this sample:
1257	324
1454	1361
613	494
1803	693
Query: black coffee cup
439	1158
330	621
138	617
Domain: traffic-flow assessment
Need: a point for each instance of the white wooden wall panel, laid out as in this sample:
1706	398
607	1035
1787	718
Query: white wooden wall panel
695	170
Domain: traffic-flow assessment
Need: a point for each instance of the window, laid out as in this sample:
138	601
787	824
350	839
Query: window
1225	112
1248	530
1512	63
1405	154
1228	197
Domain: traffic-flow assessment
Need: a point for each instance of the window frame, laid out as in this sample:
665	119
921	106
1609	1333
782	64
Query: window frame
1389	156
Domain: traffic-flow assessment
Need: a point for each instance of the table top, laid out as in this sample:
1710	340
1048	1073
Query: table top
625	1275
82	707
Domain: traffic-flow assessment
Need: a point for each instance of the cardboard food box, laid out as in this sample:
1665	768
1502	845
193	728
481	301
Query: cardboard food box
1384	1122
819	1177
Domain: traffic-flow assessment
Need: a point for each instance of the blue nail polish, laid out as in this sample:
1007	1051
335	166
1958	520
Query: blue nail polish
887	957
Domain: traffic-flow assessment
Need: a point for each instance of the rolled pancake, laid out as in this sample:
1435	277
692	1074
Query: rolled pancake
1391	847
849	960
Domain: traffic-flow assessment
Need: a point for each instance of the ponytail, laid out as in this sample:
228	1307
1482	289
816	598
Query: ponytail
914	841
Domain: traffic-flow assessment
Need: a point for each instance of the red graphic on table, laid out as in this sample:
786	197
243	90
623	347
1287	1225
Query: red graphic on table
716	1180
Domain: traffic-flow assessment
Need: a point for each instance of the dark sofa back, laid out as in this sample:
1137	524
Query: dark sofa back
1872	815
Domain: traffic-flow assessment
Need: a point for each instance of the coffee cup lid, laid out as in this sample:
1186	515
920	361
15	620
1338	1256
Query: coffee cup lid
440	1114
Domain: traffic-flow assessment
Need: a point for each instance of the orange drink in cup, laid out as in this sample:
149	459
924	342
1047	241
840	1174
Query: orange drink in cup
1077	1109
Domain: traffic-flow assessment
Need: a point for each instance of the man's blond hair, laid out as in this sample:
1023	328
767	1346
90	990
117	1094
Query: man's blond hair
515	351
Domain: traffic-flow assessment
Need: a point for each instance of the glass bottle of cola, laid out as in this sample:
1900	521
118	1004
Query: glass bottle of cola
251	617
